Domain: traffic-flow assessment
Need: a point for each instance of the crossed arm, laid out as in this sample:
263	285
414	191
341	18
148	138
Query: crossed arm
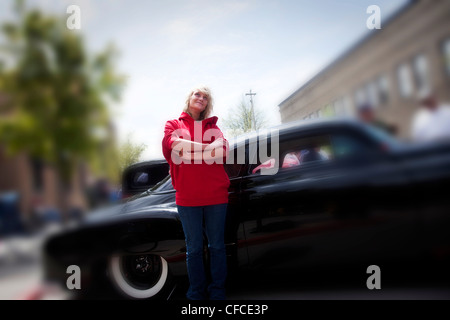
191	150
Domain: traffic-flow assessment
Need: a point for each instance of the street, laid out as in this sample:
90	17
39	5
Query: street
20	268
21	278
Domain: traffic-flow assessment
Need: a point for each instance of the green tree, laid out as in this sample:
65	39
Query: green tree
130	152
56	93
240	119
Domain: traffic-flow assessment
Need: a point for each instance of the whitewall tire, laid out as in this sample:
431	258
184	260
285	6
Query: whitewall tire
139	276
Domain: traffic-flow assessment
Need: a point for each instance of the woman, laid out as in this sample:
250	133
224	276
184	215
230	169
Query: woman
195	148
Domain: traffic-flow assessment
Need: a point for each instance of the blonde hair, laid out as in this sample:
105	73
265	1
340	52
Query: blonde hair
209	107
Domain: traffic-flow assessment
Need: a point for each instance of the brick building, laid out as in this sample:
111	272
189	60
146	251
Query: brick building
386	69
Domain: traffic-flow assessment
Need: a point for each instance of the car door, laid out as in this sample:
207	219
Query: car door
234	232
284	210
323	210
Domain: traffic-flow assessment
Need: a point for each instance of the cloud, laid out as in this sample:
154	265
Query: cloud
216	49
197	16
181	28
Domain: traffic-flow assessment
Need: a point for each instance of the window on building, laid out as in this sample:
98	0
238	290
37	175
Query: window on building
332	110
446	51
404	80
339	107
328	110
348	104
372	94
383	89
360	97
420	65
320	113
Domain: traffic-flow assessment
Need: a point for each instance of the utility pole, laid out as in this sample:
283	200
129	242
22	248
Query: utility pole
253	111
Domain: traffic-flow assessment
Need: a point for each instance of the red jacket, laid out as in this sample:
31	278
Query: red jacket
196	184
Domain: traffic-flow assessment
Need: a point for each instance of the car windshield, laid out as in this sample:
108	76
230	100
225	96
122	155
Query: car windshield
164	184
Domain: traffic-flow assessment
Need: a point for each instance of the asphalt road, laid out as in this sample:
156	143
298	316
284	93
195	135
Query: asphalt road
20	268
20	278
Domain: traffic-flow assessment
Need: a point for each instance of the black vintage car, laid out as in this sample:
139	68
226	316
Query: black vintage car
352	196
141	176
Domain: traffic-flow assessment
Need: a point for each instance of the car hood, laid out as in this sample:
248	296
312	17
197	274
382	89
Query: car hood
102	213
153	198
154	205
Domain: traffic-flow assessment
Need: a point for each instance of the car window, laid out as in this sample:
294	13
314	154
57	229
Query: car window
383	137
346	146
140	178
298	152
301	156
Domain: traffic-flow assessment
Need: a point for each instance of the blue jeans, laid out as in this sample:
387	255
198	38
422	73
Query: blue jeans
212	220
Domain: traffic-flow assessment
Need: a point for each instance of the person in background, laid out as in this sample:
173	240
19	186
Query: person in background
432	121
366	114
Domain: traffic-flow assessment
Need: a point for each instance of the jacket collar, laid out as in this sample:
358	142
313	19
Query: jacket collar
186	117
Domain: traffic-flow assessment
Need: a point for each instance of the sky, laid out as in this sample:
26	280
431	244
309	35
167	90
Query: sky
168	47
